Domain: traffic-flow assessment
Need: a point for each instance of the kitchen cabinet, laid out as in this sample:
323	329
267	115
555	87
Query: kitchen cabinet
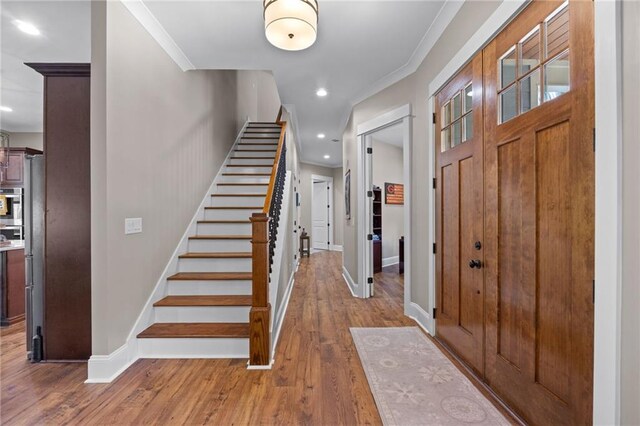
13	177
12	283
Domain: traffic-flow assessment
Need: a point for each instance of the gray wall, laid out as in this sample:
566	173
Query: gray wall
388	167
630	319
413	90
306	171
159	136
257	96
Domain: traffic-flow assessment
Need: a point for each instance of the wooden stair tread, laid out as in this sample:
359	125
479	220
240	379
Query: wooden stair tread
196	330
256	150
211	276
238	195
252	158
234	208
243	184
204	301
220	237
223	221
218	255
251	165
246	174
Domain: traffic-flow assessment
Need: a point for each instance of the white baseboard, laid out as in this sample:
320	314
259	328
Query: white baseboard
336	248
353	287
105	368
388	261
420	316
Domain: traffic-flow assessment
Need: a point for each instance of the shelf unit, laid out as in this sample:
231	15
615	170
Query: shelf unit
377	229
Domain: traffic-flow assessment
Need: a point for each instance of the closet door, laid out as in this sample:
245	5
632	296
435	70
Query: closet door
539	212
459	259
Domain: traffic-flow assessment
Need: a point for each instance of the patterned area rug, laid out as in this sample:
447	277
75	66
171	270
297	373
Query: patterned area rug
413	383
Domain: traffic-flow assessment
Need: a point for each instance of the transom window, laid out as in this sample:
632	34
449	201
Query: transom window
457	119
536	69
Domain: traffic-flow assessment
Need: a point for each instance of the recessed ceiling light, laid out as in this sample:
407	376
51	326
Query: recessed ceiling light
326	157
322	93
26	27
5	109
321	135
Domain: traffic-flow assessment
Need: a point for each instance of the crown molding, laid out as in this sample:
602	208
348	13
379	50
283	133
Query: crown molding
140	11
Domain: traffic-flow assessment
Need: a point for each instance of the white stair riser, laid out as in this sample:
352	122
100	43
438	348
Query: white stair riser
224	229
209	288
214	265
254	146
219	245
201	314
248	169
266	136
242	179
251	161
229	214
271	155
237	201
193	348
242	189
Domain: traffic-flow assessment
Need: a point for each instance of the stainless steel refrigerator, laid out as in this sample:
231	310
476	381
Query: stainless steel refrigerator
34	246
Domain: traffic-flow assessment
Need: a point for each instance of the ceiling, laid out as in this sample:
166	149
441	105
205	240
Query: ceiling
363	46
390	135
65	37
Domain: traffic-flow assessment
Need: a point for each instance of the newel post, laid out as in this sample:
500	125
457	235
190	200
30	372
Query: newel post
260	316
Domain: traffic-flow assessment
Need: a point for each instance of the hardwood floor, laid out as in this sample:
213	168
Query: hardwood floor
317	377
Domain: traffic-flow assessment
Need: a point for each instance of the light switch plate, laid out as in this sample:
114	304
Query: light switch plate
132	225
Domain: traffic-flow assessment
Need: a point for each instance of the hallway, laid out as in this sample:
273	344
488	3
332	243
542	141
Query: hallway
317	377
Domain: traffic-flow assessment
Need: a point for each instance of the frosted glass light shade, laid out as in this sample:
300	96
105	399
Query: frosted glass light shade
291	24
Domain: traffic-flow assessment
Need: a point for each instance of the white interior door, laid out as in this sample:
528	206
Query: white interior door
320	216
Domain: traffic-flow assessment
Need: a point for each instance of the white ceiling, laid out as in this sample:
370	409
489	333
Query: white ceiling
390	135
65	37
362	46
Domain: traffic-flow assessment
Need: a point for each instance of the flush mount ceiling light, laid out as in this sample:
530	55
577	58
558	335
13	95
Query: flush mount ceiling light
291	24
26	27
322	93
5	109
321	135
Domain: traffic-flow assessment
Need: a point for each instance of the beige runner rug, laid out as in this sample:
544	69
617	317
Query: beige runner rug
413	383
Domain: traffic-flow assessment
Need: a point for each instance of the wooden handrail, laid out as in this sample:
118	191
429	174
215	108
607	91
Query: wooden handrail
274	171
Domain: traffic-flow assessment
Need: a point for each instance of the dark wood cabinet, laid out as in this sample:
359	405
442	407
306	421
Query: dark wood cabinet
377	230
12	281
67	243
13	177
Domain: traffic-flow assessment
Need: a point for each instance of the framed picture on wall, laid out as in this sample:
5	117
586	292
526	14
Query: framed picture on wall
393	193
347	194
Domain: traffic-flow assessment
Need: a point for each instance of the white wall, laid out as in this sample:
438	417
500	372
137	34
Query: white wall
26	140
257	96
410	90
388	167
159	136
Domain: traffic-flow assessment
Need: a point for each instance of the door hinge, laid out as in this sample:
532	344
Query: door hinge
435	183
370	237
370	280
434	118
328	188
434	248
594	292
370	194
369	150
435	311
328	206
594	139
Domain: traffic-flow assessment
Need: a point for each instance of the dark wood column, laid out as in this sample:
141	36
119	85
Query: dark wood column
67	270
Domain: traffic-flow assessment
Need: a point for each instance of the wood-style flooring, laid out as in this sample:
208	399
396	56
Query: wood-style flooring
317	377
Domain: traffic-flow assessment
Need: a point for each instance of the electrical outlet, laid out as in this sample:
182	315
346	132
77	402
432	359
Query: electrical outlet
133	225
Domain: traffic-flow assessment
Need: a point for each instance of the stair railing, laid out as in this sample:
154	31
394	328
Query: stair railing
264	236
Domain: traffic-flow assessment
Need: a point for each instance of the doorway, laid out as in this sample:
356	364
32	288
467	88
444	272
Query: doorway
515	213
402	118
321	212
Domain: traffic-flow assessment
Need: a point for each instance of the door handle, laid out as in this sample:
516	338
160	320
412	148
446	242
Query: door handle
475	264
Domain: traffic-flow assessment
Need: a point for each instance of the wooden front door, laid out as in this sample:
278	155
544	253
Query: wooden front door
459	241
539	212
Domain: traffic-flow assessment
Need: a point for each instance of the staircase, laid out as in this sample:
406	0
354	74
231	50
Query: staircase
205	313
